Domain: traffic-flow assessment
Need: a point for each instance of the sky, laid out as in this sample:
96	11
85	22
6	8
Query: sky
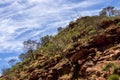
21	20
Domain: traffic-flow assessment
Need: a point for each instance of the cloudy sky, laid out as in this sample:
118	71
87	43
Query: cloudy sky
21	20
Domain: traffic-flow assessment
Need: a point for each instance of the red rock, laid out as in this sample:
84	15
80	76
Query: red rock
100	40
78	55
34	76
118	31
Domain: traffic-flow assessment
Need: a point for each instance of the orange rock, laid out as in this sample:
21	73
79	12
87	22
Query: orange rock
118	31
78	55
100	40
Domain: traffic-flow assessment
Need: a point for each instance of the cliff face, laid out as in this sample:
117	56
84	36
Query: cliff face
94	58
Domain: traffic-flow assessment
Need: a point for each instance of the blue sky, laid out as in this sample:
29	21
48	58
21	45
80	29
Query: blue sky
21	20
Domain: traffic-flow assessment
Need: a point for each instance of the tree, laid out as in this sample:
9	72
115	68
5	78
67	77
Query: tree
45	40
38	45
12	62
117	12
60	29
5	71
30	46
102	13
22	56
107	11
110	10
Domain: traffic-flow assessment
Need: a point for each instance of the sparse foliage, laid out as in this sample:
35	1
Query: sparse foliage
22	56
30	46
45	40
108	66
103	12
5	71
117	12
60	29
12	62
109	11
113	77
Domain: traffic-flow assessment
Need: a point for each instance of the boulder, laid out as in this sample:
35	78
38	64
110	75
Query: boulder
118	30
34	76
79	55
100	40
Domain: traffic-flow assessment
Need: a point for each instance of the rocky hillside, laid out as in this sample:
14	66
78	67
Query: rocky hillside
91	51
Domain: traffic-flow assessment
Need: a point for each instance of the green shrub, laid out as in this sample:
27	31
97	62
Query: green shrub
24	76
116	70
113	77
108	66
118	24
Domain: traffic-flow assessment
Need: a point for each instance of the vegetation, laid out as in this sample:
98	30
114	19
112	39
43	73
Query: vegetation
108	66
12	62
109	11
113	77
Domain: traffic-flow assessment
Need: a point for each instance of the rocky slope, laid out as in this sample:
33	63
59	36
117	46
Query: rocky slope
97	59
86	62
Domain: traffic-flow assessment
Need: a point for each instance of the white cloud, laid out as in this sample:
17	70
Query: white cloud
39	1
5	1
